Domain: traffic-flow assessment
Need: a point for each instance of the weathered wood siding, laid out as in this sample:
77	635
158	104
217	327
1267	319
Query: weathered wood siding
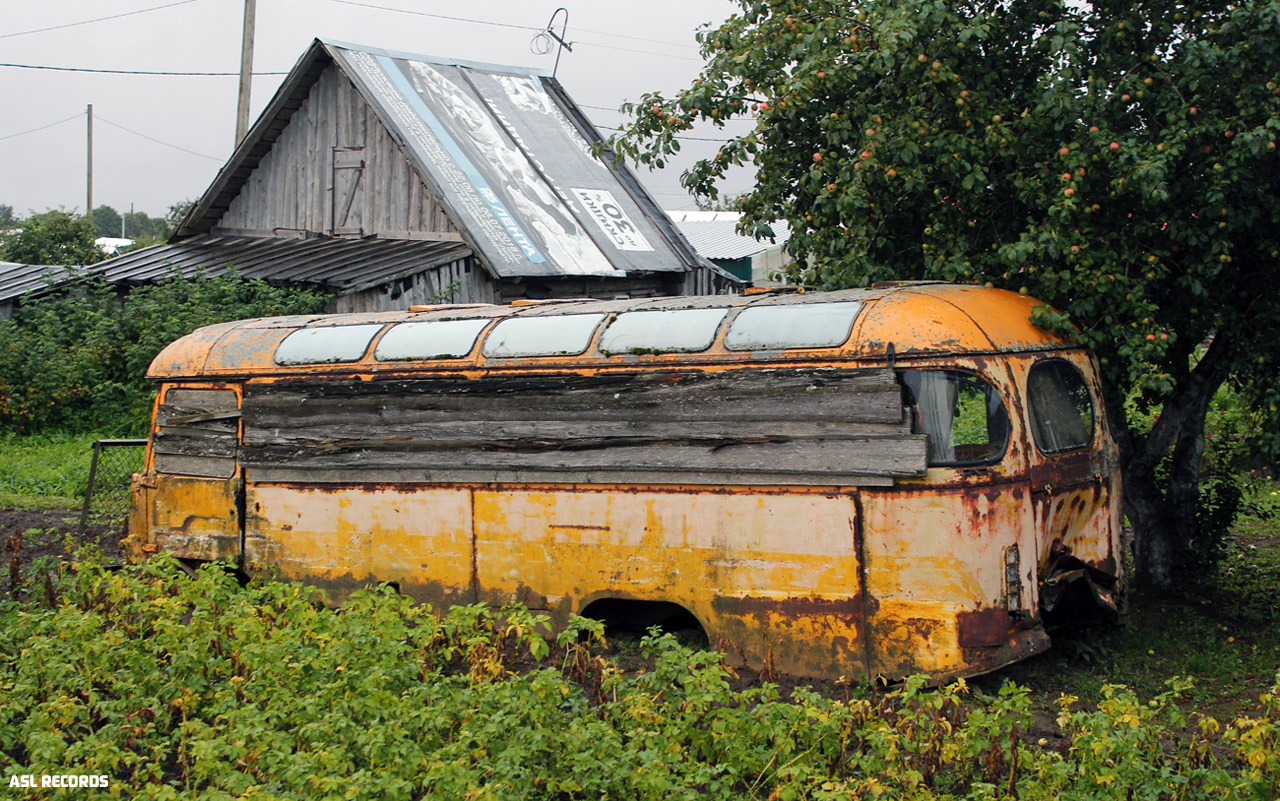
632	286
462	281
776	427
701	281
336	170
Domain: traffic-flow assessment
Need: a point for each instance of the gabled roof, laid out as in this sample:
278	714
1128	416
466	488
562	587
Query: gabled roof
505	151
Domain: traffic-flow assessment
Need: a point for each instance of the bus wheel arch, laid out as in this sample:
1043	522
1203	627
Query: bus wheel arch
635	617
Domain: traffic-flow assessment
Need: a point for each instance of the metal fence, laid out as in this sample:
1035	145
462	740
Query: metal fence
106	498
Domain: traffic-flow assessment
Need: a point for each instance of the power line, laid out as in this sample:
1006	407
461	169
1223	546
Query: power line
439	16
623	49
91	21
738	118
130	72
517	27
100	118
639	38
612	129
42	127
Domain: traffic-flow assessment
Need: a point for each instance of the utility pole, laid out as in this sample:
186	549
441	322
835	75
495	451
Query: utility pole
246	72
88	186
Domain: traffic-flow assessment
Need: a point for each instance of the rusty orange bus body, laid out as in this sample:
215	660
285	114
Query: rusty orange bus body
869	483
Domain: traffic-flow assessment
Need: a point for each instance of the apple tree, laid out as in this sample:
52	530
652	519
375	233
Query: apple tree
1116	160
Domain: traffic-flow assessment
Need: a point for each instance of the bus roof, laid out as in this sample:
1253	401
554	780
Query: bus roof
891	320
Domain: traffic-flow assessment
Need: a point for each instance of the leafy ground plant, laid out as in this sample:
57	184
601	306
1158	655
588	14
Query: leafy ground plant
200	688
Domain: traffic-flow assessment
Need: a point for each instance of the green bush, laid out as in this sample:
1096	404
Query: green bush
1238	437
76	361
182	688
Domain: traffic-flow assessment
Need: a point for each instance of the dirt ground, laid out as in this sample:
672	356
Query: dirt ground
30	535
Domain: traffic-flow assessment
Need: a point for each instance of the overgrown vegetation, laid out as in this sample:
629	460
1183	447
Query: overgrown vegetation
48	469
76	361
175	687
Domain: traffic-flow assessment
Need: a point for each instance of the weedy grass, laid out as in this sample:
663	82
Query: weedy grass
44	470
200	688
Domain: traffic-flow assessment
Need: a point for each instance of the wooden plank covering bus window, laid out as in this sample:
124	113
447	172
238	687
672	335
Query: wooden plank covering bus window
196	433
754	426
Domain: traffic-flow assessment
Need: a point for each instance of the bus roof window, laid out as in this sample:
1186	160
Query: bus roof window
558	335
682	330
807	325
324	345
431	339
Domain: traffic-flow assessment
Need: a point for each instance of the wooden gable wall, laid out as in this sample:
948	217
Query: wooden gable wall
335	170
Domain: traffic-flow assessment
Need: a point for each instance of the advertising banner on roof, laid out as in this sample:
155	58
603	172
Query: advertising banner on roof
512	170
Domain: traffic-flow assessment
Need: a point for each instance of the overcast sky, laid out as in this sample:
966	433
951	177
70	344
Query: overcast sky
621	49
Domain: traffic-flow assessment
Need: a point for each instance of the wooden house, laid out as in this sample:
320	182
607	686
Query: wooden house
398	179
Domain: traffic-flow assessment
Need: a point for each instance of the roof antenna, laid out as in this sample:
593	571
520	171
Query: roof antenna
547	39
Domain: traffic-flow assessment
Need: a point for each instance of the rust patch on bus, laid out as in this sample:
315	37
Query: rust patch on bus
803	636
764	610
982	628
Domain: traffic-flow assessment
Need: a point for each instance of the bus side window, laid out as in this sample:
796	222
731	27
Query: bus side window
1061	408
962	415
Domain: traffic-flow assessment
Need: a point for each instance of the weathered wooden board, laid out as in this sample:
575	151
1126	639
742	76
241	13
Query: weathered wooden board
201	466
197	432
806	426
764	395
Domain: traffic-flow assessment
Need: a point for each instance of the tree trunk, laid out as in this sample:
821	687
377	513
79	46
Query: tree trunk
1164	517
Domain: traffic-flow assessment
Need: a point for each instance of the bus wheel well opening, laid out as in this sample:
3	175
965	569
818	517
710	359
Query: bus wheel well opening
632	619
192	568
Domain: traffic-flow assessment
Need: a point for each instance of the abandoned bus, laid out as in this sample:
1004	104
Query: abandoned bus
870	483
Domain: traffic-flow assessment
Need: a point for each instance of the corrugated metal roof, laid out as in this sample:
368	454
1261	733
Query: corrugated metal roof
718	239
504	149
346	265
343	265
19	279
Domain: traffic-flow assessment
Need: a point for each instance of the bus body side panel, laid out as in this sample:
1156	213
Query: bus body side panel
948	579
344	537
773	576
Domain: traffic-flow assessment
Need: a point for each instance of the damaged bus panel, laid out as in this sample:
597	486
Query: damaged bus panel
904	479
